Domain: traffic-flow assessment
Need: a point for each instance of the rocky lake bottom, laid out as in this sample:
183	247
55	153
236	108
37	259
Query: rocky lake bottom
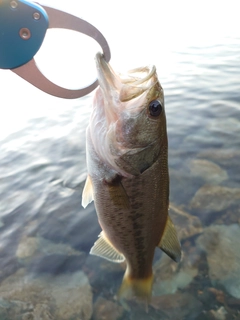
43	276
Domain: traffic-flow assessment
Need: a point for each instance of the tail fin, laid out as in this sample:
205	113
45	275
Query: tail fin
139	288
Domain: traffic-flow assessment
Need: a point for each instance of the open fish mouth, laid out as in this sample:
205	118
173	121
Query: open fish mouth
120	120
124	87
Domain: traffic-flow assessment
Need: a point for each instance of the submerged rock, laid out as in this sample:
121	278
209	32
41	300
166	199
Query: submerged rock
27	247
104	275
30	246
182	186
41	255
223	156
219	314
186	224
62	297
208	171
170	276
107	310
211	199
221	244
178	306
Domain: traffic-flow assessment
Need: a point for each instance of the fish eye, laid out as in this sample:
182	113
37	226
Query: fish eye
155	108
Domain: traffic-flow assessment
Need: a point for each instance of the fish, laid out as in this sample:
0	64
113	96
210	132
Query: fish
128	178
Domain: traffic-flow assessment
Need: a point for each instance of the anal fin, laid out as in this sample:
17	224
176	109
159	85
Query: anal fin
169	242
103	248
87	194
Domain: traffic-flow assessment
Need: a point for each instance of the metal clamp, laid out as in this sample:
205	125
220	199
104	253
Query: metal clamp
28	35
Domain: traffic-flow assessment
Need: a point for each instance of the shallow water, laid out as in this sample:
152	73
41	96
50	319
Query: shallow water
45	269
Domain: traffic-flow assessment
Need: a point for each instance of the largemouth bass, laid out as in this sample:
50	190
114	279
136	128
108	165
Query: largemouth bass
127	161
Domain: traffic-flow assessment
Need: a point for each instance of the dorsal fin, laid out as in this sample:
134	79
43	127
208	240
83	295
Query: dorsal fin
169	242
103	248
87	194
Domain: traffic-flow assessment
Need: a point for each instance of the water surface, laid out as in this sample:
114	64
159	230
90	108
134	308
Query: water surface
46	271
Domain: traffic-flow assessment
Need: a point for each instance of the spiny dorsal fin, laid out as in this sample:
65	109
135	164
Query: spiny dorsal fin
87	194
103	248
169	242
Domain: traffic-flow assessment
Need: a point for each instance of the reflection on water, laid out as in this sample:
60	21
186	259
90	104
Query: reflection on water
45	269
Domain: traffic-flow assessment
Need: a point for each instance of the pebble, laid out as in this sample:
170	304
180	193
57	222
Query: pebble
221	244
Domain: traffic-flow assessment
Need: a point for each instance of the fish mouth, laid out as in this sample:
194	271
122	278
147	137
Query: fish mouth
108	80
123	88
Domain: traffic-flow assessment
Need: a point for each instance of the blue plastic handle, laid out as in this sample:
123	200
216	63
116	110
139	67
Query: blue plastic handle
23	26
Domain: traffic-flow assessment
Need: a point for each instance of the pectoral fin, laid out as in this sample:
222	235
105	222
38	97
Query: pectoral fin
87	194
103	248
169	242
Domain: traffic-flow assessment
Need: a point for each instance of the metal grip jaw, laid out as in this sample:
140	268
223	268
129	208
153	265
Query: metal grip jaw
23	27
21	41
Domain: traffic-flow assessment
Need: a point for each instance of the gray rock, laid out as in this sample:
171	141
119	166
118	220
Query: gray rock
41	255
221	244
211	199
30	246
219	314
170	276
226	125
107	310
183	186
222	156
210	172
185	224
47	297
178	306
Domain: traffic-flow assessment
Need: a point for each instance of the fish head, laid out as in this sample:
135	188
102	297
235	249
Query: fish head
128	124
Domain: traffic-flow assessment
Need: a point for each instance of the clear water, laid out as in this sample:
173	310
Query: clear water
45	269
